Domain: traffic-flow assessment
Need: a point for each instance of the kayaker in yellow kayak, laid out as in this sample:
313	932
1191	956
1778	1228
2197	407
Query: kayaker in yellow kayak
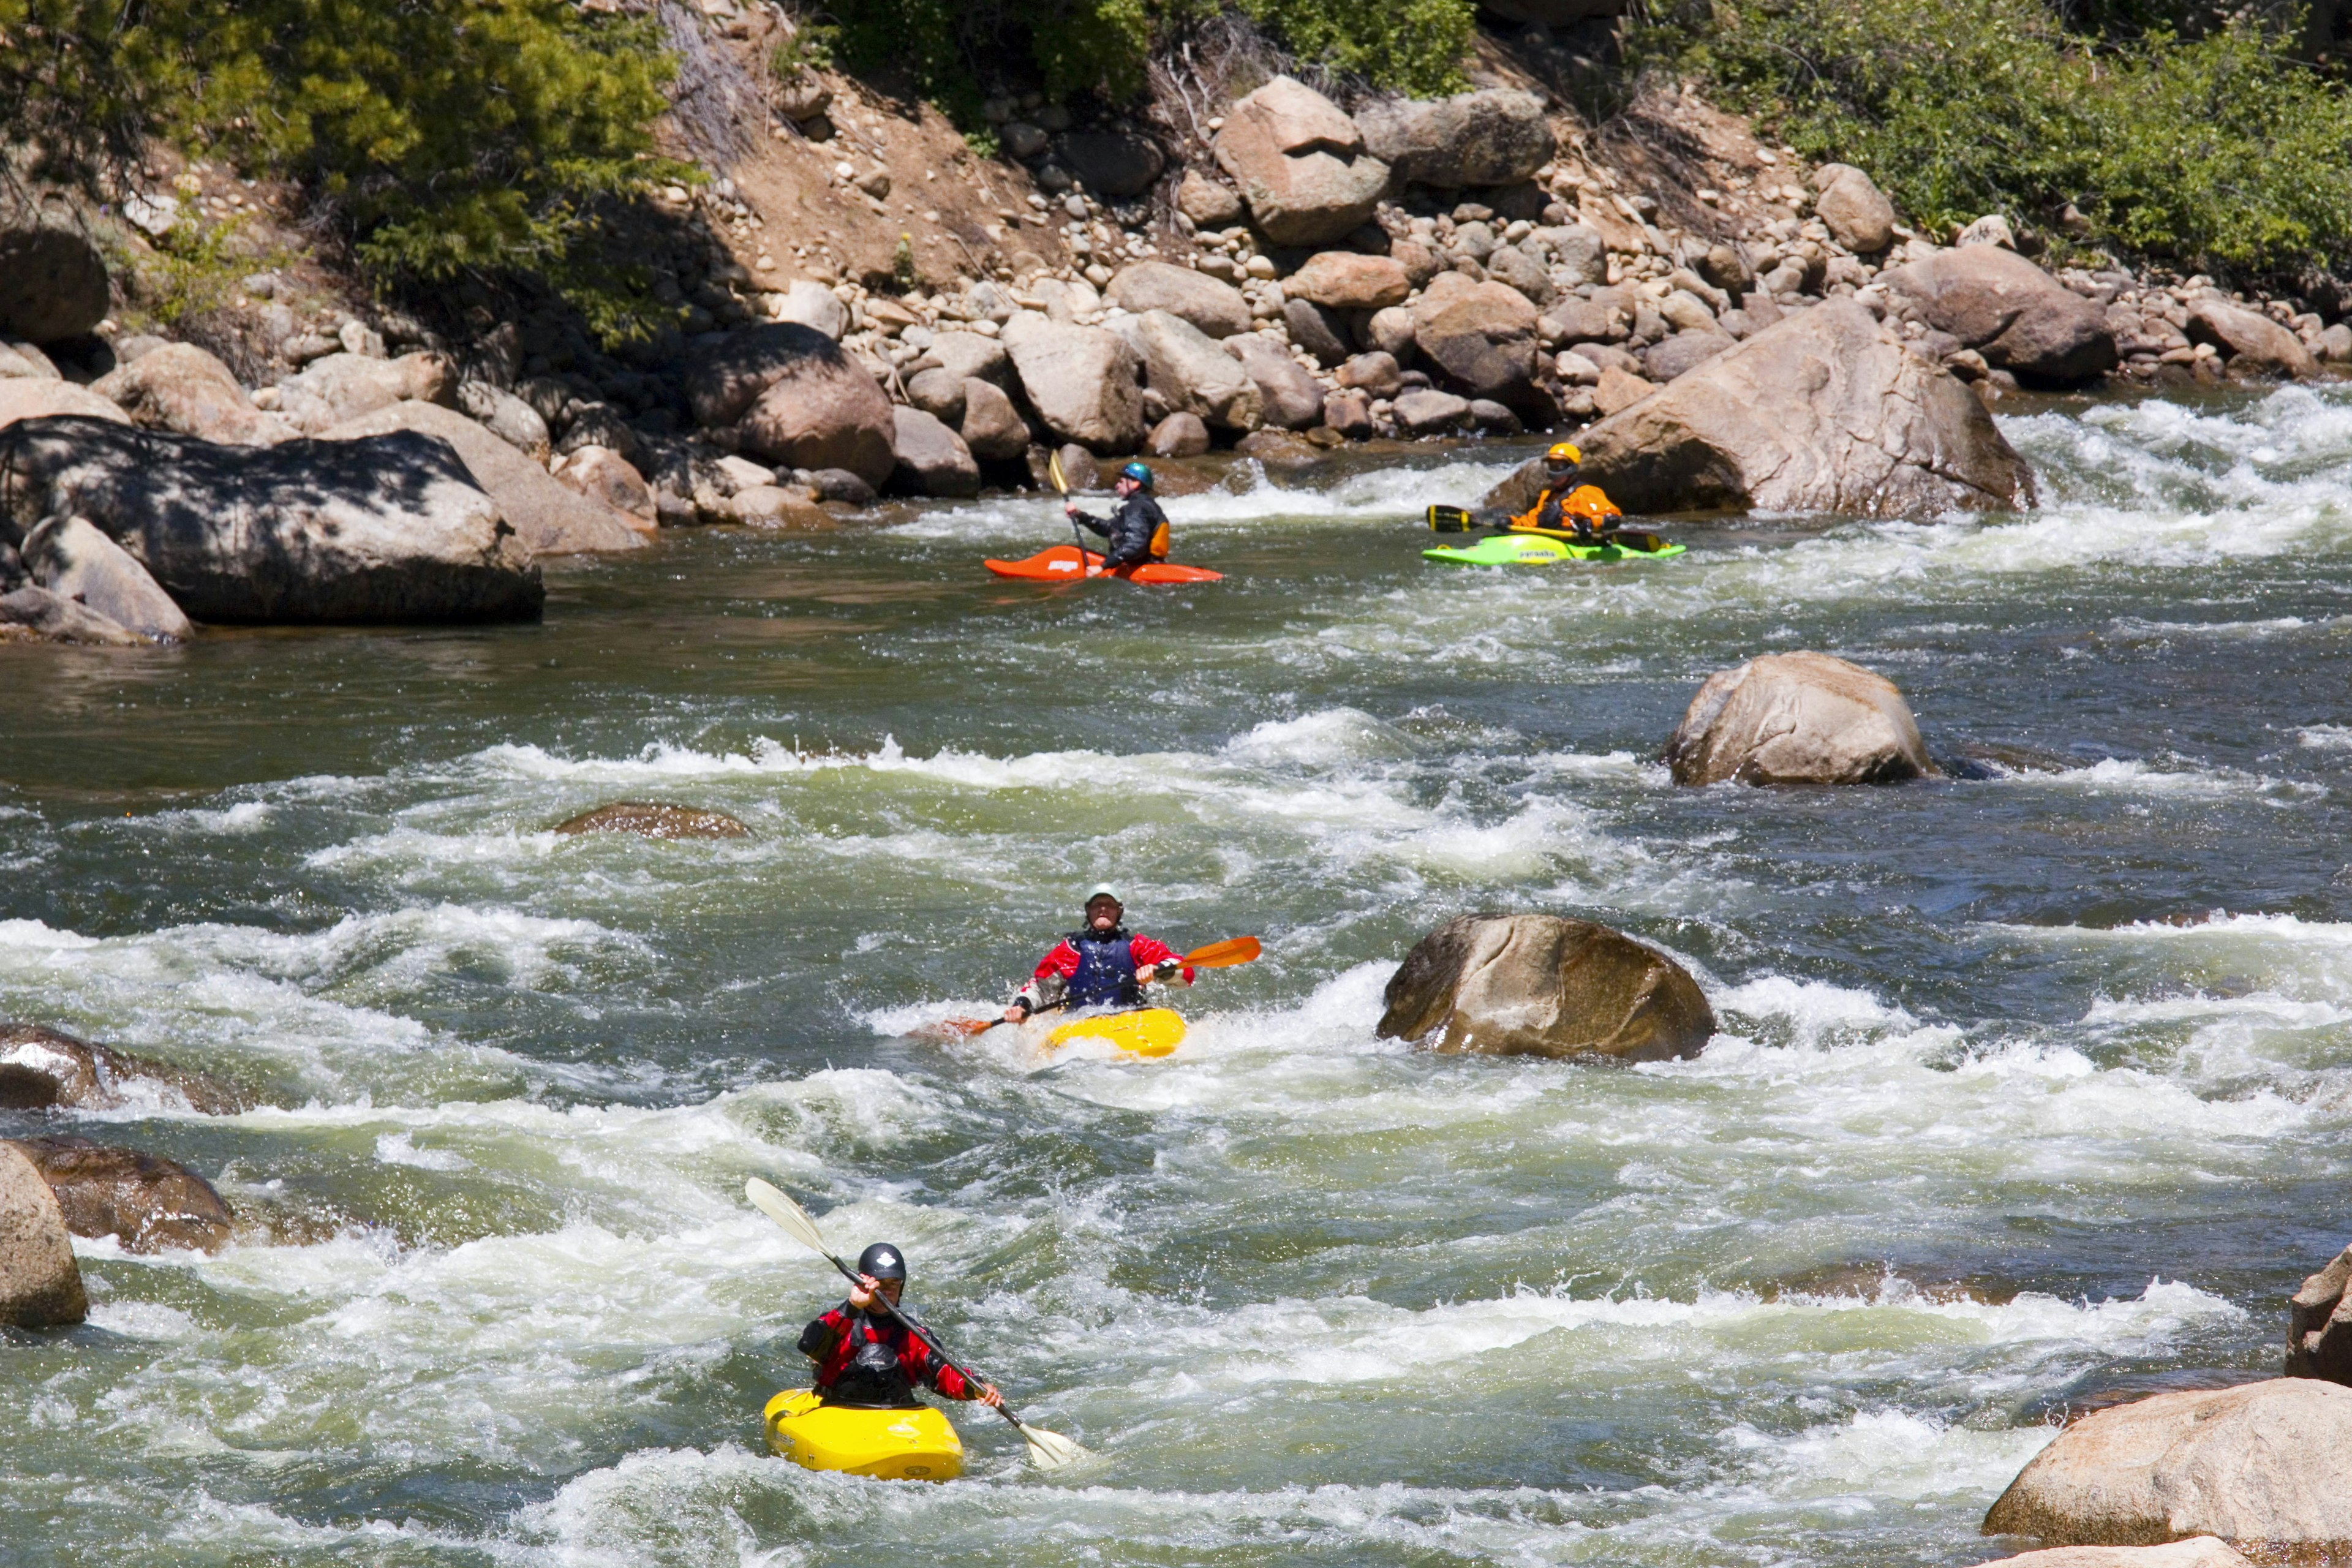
870	1360
1566	507
1101	965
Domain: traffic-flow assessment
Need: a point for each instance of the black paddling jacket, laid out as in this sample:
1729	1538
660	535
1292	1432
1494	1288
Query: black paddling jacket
1128	529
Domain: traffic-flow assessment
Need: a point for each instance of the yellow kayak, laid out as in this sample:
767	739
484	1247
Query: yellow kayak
918	1444
1142	1032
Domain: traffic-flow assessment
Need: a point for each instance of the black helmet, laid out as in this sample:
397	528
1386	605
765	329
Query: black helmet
882	1261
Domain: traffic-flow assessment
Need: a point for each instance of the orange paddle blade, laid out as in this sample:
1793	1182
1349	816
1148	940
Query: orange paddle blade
1225	954
969	1026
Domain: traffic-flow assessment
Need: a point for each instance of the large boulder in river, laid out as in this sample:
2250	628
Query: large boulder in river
42	1070
181	388
550	518
1194	375
2019	317
2268	1462
1081	380
2197	1551
383	528
40	1284
1797	717
2319	1324
1543	985
145	1202
53	285
1301	164
73	558
795	399
1498	136
1825	411
1217	309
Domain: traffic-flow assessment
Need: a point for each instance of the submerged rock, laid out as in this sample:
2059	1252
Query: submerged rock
41	1069
2267	1462
1798	717
383	528
1544	985
145	1202
34	612
2319	1328
40	1283
652	819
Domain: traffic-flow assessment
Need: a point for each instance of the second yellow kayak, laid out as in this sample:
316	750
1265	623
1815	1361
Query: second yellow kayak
917	1445
1142	1032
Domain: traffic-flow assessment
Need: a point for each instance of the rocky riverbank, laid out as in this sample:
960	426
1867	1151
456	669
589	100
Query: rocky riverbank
1276	274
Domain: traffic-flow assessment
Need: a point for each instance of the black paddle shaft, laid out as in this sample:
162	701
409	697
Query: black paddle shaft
916	1329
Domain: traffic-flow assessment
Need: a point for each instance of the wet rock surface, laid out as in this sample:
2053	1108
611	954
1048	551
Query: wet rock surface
1797	717
1544	985
2263	1462
148	1203
653	819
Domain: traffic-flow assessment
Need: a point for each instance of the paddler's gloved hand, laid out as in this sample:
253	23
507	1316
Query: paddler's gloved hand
990	1397
1018	1013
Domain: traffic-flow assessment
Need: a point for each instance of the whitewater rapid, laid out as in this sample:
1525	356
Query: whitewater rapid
2032	1088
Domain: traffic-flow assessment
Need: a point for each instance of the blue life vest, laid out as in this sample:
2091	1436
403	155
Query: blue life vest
1106	970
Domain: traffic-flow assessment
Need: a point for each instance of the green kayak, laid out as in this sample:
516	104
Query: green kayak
1543	549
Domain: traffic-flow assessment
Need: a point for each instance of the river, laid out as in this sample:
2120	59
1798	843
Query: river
2032	1091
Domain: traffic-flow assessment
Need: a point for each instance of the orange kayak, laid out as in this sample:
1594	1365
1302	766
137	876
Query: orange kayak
1064	564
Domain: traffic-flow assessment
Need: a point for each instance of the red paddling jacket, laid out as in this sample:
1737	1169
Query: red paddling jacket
873	1361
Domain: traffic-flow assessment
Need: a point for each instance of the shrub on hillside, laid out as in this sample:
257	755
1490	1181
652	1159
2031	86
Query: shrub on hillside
2220	153
438	136
1079	46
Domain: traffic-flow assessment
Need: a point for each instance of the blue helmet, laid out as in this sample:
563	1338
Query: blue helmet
1139	473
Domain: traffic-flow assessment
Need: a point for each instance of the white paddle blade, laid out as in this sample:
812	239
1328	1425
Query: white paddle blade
1051	1450
785	1212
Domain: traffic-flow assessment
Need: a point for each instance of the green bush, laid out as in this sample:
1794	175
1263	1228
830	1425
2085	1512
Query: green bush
1079	46
2219	154
440	136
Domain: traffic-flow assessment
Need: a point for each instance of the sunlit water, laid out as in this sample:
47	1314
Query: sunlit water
1984	1137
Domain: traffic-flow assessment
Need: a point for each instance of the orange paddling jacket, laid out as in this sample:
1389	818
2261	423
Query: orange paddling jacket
1582	511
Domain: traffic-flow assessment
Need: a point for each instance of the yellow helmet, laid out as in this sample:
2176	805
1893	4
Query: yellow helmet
1564	452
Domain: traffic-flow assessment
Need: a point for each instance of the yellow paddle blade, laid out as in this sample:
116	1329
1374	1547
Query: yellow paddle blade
1054	472
1225	954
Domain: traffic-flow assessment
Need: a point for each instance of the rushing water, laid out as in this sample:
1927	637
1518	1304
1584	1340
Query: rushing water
1985	1136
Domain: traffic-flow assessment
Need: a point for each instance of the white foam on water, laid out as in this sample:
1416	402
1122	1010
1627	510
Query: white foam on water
2115	775
2325	737
1246	498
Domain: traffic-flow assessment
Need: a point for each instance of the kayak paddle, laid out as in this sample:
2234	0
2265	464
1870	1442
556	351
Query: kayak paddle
1222	954
1450	520
1047	1450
